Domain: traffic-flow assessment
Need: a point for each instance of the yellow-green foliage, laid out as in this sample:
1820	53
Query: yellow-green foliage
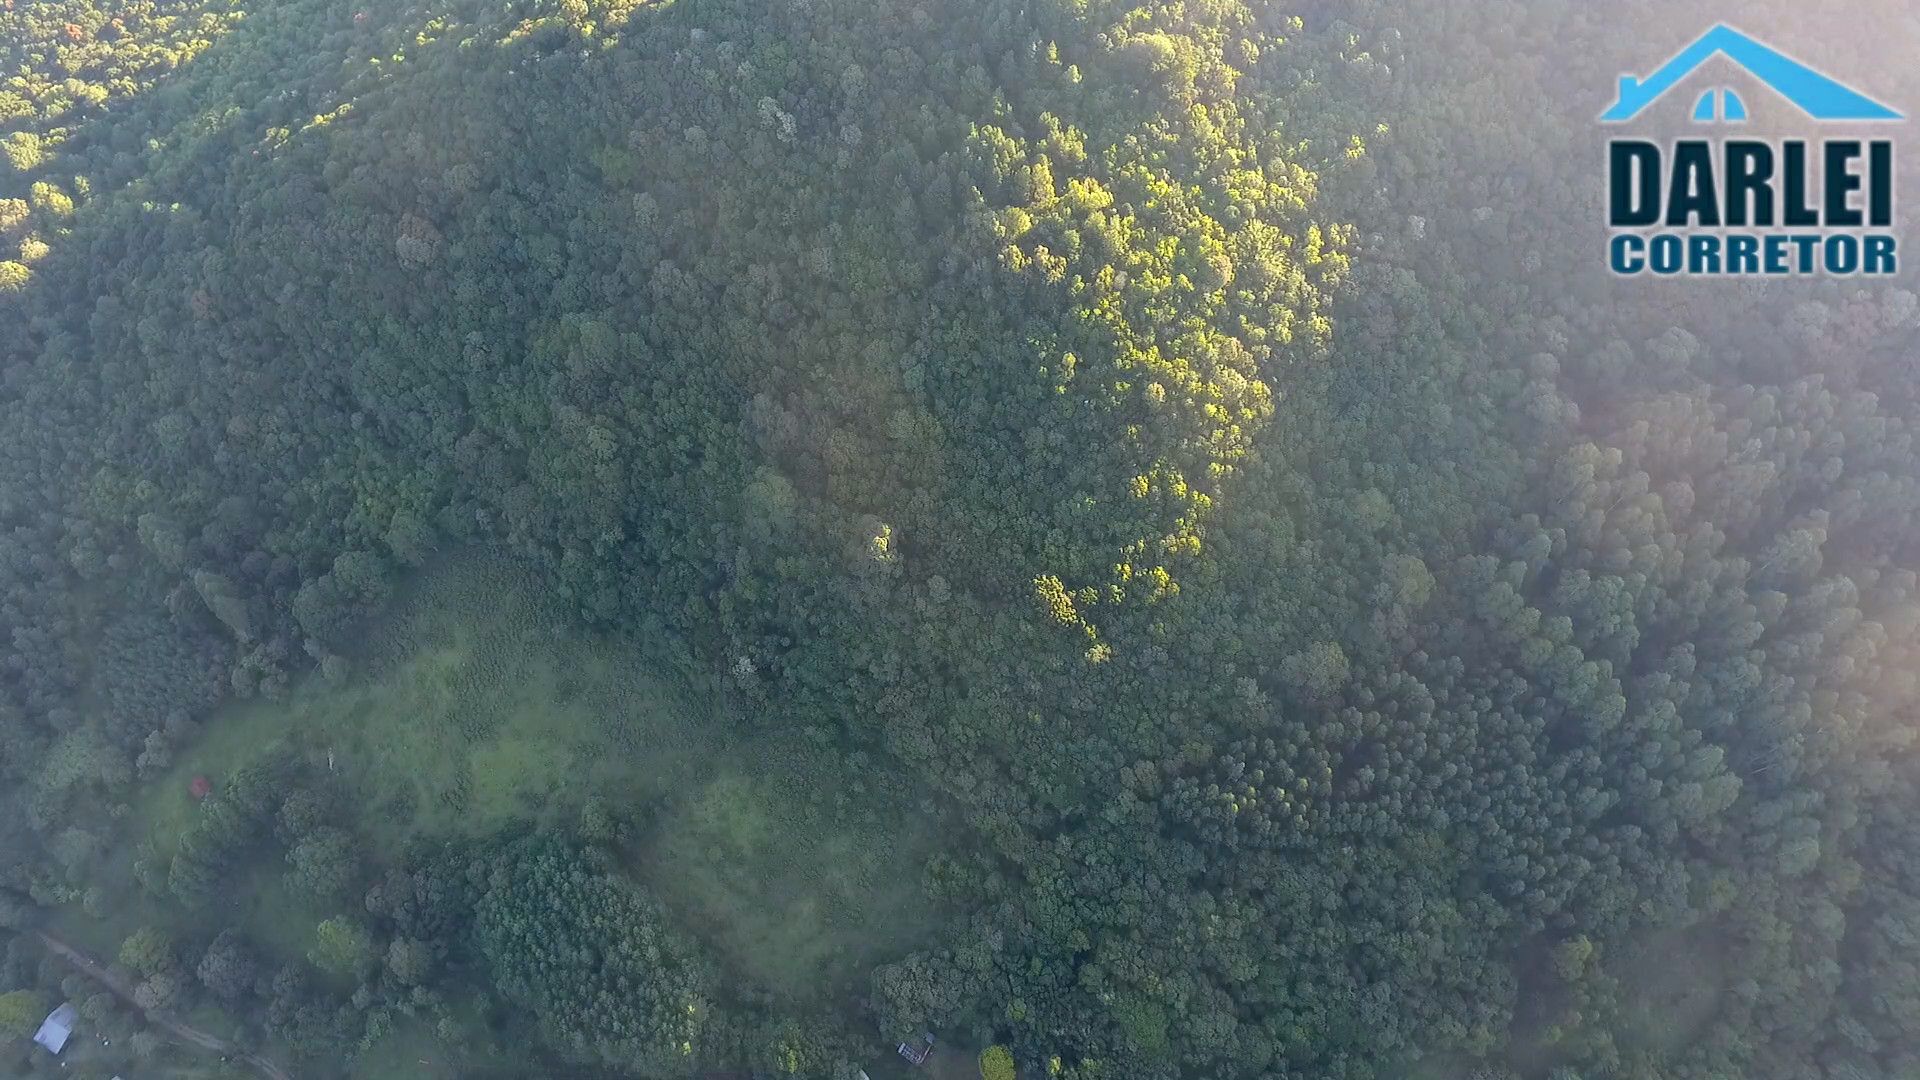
341	948
996	1063
20	1012
147	950
1189	448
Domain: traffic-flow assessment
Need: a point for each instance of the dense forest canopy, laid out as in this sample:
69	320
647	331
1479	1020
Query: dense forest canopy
1139	539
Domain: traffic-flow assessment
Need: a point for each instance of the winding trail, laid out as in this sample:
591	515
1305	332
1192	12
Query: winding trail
123	989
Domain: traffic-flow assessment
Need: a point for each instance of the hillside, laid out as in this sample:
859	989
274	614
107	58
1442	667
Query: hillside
670	538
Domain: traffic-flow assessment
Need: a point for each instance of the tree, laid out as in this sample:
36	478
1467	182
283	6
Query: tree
591	956
21	1011
323	865
411	961
996	1063
228	968
148	951
100	1008
1319	671
162	991
342	948
301	815
1183	447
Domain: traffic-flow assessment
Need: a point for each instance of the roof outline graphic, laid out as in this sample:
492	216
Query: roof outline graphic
1819	96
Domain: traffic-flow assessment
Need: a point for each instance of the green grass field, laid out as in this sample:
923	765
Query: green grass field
799	876
469	711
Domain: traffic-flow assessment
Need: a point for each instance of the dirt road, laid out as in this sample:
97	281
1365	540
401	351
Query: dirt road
123	989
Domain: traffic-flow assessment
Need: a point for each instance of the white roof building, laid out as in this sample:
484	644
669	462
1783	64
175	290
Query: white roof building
58	1028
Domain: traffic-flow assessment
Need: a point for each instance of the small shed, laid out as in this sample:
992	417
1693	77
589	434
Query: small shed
918	1052
57	1028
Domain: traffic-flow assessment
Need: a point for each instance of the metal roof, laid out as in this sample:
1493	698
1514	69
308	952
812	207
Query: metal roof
58	1028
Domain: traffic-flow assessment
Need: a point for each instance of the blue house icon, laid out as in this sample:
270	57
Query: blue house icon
1815	94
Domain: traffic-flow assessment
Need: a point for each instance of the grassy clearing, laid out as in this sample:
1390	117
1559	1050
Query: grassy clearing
1678	978
794	867
472	708
472	711
410	1052
952	1063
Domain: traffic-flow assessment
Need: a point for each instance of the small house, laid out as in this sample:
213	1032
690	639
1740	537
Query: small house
918	1052
57	1028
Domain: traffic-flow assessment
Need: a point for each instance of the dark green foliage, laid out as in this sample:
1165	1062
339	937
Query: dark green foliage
1193	448
302	815
230	967
323	865
148	951
149	674
342	949
303	1018
590	956
410	961
230	821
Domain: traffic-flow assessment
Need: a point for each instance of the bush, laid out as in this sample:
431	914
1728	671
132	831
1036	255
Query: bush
341	947
148	951
996	1063
20	1013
